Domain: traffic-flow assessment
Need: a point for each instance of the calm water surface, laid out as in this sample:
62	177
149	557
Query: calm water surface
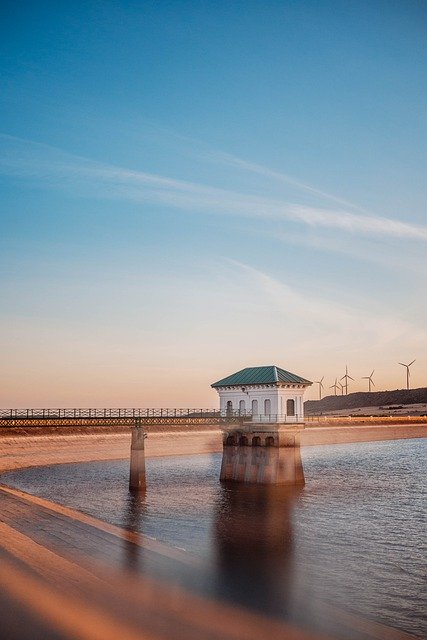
354	537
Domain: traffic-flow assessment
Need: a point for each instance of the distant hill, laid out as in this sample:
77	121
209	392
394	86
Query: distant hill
365	399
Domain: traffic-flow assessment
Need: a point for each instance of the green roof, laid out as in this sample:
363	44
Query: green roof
260	375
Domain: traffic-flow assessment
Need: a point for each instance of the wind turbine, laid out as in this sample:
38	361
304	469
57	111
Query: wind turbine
346	378
370	379
407	371
342	388
320	383
334	386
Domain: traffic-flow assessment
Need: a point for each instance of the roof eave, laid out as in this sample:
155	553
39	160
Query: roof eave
305	383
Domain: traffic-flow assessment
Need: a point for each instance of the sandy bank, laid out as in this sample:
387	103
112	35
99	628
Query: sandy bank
32	451
18	451
345	434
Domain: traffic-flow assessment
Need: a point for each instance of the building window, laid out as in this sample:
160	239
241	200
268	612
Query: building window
254	407
267	407
290	407
242	407
229	408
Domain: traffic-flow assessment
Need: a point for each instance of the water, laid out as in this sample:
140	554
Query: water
353	537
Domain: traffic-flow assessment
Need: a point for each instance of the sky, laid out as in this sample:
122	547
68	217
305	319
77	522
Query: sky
189	188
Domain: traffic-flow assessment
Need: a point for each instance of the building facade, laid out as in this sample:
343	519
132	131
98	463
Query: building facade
264	394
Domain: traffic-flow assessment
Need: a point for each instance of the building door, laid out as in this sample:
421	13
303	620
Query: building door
229	409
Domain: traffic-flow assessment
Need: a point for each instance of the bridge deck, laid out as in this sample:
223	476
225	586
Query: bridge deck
115	417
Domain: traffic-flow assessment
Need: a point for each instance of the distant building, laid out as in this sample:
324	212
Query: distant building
268	394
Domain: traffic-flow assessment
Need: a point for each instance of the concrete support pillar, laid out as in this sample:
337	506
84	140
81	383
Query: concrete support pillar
272	455
137	458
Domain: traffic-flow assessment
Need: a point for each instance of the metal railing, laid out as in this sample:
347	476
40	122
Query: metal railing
277	417
99	413
109	413
335	419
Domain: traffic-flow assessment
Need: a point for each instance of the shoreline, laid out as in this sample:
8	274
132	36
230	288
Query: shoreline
18	452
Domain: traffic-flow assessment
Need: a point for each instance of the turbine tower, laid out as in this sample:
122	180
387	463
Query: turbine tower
346	378
334	386
407	371
320	383
370	379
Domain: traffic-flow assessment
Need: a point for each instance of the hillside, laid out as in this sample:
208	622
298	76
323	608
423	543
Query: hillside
365	399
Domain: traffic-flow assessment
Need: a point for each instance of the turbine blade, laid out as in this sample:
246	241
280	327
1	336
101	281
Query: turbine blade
373	383
350	378
403	365
373	371
411	363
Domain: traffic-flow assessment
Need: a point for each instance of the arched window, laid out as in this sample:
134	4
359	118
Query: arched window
256	441
230	441
242	407
254	407
243	440
229	409
290	407
267	407
269	441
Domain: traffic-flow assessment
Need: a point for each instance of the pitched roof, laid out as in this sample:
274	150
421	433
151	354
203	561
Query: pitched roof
260	375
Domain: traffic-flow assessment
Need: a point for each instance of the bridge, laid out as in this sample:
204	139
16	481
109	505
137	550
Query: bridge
117	417
131	417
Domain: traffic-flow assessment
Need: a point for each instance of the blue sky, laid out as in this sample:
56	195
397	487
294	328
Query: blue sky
189	188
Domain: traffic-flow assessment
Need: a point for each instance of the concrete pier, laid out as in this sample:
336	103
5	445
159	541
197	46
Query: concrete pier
263	454
137	459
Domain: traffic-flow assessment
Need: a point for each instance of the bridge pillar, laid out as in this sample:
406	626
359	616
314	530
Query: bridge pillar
263	454
137	457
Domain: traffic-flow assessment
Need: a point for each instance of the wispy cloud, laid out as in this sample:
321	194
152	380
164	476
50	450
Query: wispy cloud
252	167
334	324
353	223
46	165
366	251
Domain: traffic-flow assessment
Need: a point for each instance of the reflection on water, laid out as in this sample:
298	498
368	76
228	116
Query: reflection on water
135	507
353	536
254	545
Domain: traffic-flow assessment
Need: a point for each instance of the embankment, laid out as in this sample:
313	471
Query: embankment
348	433
33	451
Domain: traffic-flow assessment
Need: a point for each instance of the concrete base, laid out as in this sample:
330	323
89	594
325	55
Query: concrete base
263	454
137	460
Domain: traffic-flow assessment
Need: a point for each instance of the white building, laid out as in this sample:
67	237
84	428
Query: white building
267	394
